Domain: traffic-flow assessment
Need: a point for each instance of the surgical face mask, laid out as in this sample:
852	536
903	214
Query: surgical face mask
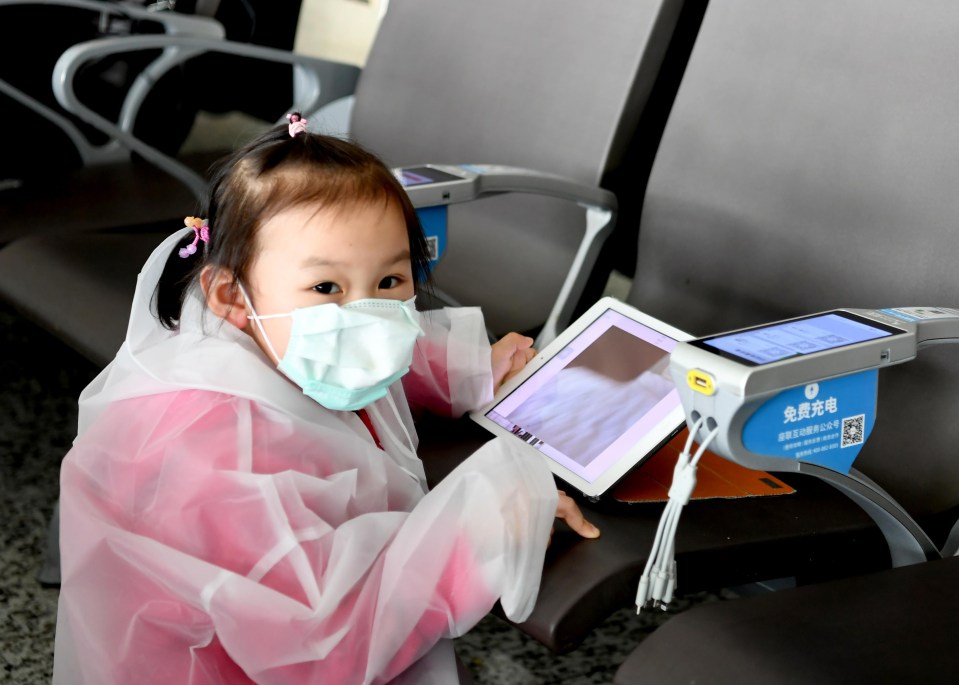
346	357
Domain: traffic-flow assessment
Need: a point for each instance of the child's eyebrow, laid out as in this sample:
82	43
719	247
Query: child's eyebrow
318	261
401	256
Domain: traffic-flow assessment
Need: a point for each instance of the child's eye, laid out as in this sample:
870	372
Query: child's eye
327	288
390	282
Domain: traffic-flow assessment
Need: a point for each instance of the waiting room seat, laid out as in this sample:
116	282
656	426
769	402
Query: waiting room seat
60	175
895	626
809	163
552	85
73	243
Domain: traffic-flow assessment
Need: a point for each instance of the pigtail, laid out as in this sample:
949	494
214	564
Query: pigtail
171	289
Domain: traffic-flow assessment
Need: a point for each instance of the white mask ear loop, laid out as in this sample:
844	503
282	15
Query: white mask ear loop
255	318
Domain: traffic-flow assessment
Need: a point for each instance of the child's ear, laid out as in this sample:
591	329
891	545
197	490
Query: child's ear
223	295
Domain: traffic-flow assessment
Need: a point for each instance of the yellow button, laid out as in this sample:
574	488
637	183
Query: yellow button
701	382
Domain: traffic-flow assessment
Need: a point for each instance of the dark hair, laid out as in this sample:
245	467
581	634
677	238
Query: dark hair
268	175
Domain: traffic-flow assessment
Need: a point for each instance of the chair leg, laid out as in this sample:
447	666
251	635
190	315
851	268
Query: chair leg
465	677
49	574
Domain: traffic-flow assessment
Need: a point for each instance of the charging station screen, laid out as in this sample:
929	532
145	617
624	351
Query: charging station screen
818	333
417	176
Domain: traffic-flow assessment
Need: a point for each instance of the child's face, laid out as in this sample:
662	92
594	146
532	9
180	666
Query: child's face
308	257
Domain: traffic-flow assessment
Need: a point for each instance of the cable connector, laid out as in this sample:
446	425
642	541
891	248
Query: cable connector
684	482
670	586
642	594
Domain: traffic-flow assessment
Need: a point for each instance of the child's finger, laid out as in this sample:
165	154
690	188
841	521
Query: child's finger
568	510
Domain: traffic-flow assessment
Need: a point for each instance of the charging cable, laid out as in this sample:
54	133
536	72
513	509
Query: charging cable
658	581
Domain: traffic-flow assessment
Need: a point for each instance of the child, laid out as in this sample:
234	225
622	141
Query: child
243	502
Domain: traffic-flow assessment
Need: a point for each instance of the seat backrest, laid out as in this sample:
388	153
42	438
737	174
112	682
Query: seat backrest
552	85
809	163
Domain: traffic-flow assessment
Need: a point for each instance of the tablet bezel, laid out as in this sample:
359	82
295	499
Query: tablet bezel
661	433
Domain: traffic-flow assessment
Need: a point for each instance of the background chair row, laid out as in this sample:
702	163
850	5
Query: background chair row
53	156
434	89
806	163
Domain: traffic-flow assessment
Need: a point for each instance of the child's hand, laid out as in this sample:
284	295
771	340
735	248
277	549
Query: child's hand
510	354
568	511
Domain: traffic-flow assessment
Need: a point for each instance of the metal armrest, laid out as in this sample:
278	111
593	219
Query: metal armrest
323	82
477	180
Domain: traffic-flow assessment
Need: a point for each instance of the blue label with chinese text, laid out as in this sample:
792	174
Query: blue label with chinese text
823	423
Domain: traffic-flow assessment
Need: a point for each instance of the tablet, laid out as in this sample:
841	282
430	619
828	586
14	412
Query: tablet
596	401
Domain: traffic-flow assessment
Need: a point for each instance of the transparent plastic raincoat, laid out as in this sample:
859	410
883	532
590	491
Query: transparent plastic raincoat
218	526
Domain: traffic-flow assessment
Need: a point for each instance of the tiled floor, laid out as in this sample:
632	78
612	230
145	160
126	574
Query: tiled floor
39	383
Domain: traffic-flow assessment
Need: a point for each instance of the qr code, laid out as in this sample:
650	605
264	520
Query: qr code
433	247
853	429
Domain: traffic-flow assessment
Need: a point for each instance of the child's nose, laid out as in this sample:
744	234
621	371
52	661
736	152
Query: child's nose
359	294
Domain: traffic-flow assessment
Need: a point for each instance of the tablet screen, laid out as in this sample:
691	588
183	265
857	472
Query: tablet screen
596	398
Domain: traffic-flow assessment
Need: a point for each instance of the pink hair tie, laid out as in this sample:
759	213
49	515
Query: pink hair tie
201	231
297	124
